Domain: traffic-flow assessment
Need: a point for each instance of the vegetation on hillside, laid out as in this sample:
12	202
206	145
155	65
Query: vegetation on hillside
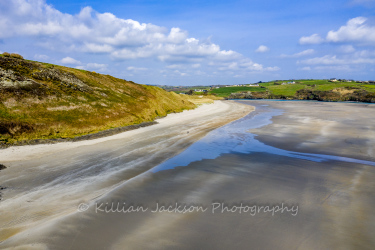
226	91
322	90
40	101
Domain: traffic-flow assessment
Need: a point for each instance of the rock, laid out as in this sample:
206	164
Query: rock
2	167
64	78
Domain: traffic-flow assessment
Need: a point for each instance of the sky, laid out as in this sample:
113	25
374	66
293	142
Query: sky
179	42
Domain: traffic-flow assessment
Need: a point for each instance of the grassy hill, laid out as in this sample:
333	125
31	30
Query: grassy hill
322	90
44	101
226	91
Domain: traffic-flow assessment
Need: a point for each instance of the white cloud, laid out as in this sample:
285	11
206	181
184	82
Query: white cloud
262	49
365	53
275	68
364	57
305	68
244	65
313	39
94	66
41	57
327	59
299	54
177	72
347	49
69	60
131	68
121	39
367	3
355	30
97	48
97	66
341	68
174	66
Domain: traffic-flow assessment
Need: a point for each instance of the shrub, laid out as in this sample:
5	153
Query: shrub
14	55
6	54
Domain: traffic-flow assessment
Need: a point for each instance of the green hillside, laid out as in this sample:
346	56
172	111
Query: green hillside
39	101
226	91
323	90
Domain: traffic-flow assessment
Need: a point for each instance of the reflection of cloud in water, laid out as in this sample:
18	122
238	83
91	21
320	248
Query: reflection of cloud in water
235	138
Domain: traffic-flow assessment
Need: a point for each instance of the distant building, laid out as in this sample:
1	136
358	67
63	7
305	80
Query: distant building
285	83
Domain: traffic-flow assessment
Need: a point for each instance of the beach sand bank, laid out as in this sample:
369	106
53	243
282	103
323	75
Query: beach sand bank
334	197
45	182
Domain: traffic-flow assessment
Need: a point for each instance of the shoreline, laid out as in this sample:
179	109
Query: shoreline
95	176
36	175
301	100
215	109
323	137
92	136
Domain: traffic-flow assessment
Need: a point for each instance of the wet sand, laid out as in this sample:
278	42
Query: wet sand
334	196
345	129
47	182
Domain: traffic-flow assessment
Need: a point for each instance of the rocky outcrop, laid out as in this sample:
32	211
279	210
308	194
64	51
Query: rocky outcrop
335	95
8	79
13	84
64	78
357	95
18	73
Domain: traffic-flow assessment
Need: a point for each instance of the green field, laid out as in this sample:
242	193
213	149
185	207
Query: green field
290	90
226	91
286	90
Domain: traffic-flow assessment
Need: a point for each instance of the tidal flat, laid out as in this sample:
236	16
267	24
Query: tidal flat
288	175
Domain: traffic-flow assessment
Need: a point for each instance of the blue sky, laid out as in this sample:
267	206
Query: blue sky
179	42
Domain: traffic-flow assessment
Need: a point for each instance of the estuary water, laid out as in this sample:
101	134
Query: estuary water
237	138
289	175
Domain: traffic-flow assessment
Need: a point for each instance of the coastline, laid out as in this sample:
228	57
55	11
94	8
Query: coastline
100	134
219	111
331	195
50	180
278	98
347	133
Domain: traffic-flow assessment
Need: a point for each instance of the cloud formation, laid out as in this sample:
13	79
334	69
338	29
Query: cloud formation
360	57
299	54
313	39
262	49
367	3
104	33
94	66
69	60
355	30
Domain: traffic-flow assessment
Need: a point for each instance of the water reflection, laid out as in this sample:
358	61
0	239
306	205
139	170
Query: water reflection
236	138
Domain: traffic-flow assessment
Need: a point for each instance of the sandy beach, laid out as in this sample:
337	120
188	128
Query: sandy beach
46	182
289	175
